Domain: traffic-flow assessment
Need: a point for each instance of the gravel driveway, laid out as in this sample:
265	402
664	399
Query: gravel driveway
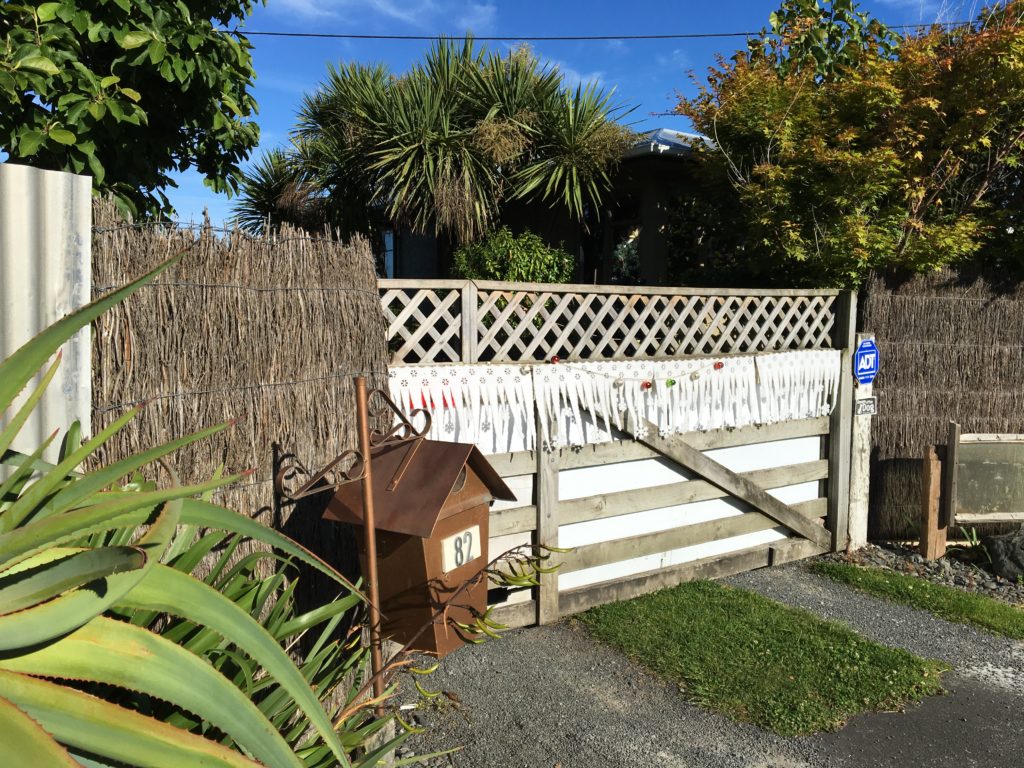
553	696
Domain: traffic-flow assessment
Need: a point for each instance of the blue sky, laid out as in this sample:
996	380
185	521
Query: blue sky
645	74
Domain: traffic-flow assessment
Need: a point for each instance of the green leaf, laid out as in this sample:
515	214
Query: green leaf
95	481
21	588
132	94
18	420
98	171
157	51
109	80
39	64
96	726
7	83
121	510
134	39
47	11
29	142
26	742
43	623
168	590
62	136
202	513
116	653
30	502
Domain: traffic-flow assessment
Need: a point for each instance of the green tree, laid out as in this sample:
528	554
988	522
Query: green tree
128	91
440	148
899	159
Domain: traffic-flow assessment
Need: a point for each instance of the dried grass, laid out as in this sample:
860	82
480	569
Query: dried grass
952	349
265	331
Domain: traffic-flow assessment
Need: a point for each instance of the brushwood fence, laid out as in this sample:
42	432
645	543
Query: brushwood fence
953	349
638	514
265	332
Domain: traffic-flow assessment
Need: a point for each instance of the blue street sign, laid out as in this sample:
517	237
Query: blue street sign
865	361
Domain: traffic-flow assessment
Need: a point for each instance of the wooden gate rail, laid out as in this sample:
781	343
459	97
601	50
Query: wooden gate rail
440	321
543	517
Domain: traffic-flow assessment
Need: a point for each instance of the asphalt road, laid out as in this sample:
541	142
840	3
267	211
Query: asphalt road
553	696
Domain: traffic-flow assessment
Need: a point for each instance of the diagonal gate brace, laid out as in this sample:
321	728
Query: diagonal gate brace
689	457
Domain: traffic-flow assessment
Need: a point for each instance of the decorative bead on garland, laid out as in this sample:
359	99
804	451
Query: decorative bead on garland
646	384
719	365
670	382
555	359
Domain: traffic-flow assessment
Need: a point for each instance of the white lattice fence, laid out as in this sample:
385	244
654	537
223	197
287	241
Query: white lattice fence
458	320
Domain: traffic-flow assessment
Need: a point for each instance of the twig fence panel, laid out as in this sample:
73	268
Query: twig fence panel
266	333
634	519
952	349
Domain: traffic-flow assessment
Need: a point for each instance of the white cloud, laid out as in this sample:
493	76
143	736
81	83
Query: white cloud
478	18
573	77
676	59
419	14
617	47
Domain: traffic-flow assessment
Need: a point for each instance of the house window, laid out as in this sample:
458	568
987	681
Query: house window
389	253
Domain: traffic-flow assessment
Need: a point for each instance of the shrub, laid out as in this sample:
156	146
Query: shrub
521	258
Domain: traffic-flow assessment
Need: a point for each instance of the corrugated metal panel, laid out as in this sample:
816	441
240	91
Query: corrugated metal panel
46	272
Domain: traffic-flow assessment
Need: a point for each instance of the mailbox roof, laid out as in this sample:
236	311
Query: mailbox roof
412	481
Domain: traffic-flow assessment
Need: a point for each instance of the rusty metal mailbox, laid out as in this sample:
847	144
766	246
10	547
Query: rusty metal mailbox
432	502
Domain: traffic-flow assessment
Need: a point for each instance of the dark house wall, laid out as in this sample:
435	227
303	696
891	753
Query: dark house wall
643	189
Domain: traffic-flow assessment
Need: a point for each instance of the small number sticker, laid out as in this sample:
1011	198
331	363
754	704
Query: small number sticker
462	548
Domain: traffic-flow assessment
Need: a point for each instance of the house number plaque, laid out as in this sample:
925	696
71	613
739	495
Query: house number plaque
460	549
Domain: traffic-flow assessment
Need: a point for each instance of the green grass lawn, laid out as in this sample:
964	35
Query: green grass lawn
951	604
758	661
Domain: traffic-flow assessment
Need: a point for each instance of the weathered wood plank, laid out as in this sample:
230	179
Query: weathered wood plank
523	519
987	437
469	323
514	463
626	502
691	458
980	519
628	449
580	599
516	615
949	474
546	594
933	528
515	520
616	550
841	424
626	290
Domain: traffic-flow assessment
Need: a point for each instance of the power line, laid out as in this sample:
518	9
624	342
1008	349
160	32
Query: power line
546	38
494	38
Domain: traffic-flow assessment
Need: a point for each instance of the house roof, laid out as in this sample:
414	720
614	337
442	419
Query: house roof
412	481
665	141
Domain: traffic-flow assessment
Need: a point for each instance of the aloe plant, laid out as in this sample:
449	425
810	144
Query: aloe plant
113	652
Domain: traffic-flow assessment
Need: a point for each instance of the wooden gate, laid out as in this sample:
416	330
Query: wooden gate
662	528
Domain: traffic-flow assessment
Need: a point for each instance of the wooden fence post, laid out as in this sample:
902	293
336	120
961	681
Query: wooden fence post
949	489
841	424
547	526
933	530
469	323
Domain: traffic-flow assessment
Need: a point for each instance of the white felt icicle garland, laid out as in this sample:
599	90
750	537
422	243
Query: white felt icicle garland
585	402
